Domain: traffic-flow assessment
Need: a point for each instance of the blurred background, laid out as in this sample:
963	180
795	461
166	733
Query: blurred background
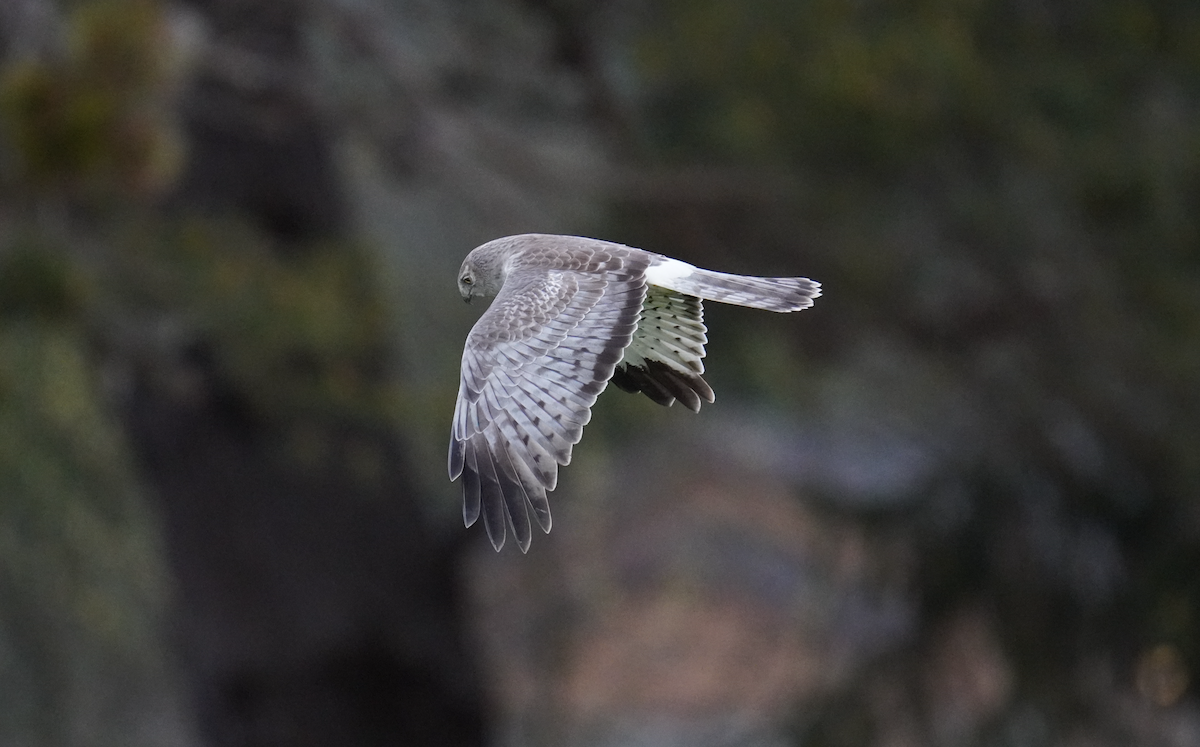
955	503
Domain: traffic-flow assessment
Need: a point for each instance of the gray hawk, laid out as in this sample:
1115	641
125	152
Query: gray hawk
570	315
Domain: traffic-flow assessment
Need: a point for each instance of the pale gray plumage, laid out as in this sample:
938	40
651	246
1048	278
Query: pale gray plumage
570	315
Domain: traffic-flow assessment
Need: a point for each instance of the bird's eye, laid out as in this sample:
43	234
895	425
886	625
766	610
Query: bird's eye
466	280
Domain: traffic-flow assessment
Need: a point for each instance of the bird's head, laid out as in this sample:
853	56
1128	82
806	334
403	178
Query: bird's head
468	286
481	273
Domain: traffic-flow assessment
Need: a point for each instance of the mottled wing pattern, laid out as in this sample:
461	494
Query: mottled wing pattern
664	359
532	368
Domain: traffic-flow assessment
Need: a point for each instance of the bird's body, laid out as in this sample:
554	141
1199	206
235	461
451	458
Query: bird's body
570	315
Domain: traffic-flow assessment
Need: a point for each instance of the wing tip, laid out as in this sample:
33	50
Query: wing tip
664	384
454	465
504	494
470	513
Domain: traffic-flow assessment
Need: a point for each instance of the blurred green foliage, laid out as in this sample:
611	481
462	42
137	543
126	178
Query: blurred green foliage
866	86
69	491
35	282
93	119
81	573
1008	194
83	585
99	284
296	332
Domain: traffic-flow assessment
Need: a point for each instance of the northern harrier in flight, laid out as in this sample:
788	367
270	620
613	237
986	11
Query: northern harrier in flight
570	315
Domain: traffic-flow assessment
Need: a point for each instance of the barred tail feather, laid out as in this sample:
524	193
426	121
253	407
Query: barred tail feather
771	294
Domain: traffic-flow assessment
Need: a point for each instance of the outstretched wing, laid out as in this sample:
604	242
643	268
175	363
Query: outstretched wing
664	359
532	368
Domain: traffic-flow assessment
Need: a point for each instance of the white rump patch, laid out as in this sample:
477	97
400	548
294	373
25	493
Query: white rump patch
665	270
